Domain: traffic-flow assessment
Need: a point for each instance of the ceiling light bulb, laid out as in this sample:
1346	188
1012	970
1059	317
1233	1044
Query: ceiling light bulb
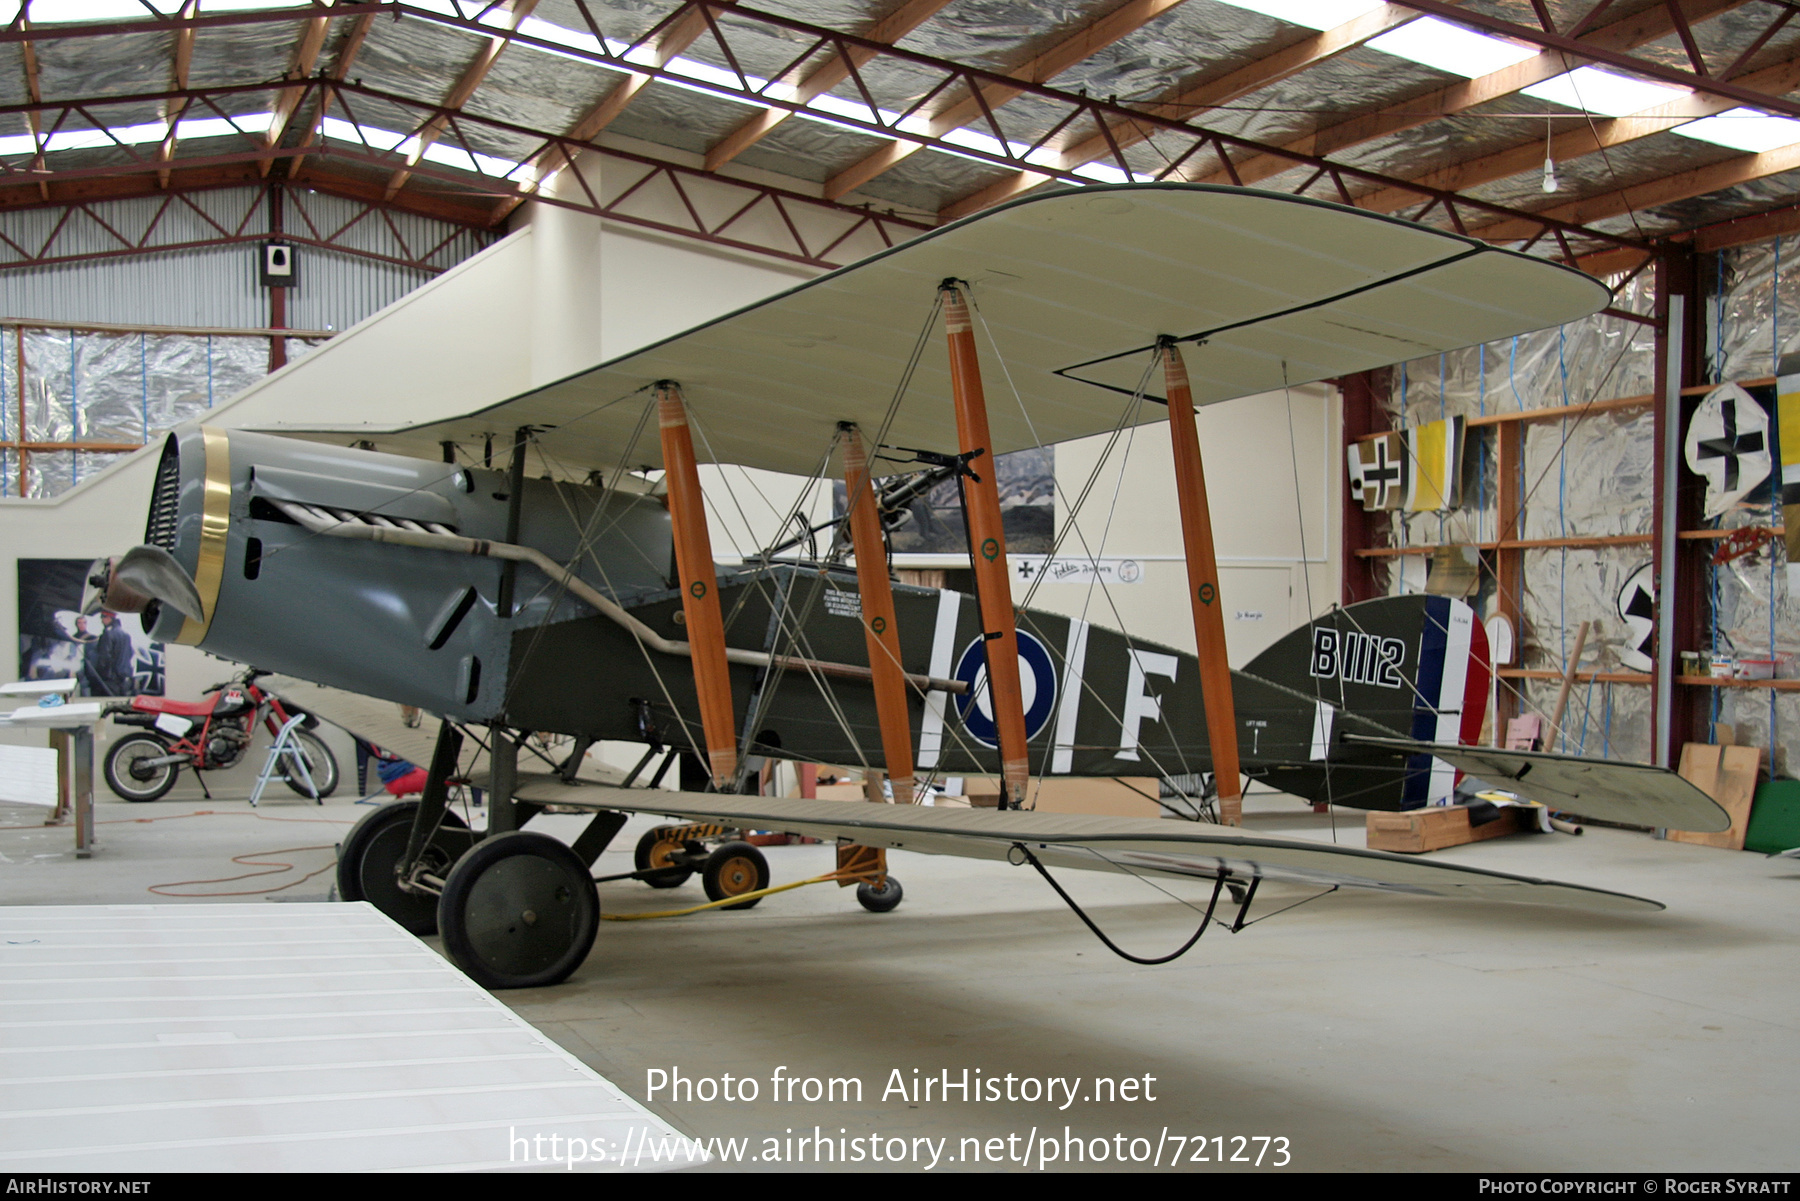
1549	174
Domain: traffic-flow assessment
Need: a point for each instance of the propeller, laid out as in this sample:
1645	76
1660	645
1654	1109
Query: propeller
129	583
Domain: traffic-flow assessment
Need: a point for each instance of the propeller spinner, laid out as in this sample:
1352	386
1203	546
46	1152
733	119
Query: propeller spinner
129	583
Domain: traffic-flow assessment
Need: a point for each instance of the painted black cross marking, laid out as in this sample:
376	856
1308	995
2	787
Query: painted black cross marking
1732	444
1383	474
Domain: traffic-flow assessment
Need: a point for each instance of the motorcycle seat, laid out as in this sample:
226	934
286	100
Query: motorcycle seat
163	704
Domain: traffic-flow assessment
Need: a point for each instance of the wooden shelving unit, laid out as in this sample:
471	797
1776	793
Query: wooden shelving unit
1710	682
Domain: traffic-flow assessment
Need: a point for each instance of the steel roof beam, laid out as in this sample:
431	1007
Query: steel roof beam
1085	110
459	94
748	199
346	58
184	58
51	252
28	59
979	103
1582	49
20	32
1182	100
1668	189
822	79
1636	30
1590	137
670	36
305	59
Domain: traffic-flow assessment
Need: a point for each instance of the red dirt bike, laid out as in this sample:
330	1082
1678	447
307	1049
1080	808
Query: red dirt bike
208	735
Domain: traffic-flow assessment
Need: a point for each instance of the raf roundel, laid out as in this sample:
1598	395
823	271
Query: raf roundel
1037	681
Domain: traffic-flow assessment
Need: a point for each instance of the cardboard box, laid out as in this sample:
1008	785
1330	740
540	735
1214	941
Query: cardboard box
1415	831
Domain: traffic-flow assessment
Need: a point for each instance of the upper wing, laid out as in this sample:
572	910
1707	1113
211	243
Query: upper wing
1606	789
1075	286
1131	845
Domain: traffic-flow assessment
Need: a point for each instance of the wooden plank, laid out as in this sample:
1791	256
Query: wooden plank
1732	772
1715	682
1512	544
1558	412
1600	677
1714	535
1702	389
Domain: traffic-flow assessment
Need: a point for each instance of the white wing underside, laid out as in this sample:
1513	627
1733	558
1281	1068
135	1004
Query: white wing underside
1133	845
1075	287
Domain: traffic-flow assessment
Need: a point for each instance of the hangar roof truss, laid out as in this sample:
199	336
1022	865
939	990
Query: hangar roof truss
819	130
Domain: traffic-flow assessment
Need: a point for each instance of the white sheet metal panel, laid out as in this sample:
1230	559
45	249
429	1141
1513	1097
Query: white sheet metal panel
1075	286
28	775
269	1038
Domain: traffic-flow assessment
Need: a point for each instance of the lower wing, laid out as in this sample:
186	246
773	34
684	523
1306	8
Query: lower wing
1134	846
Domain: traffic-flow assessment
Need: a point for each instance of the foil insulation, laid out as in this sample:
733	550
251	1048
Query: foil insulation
1565	496
1751	312
1752	316
110	388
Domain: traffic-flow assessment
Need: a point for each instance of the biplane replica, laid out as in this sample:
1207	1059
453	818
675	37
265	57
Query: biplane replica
405	564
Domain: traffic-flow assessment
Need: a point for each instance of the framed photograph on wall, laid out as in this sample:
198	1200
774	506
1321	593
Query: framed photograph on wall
109	653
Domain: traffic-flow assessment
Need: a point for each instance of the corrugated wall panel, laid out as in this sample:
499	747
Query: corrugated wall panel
117	388
211	287
217	286
338	290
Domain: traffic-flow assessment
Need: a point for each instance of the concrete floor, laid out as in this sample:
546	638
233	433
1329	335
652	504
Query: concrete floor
1370	1032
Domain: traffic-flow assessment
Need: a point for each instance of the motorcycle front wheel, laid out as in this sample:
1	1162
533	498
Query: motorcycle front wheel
126	774
321	765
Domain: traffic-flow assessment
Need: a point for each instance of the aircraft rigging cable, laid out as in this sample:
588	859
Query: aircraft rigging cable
1205	921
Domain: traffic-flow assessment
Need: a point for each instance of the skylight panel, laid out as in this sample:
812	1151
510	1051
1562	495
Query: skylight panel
344	131
218	127
221	6
1596	91
57	12
549	31
1451	48
1314	14
460	158
1743	129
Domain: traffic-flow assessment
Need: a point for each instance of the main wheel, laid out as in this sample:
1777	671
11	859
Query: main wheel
733	870
880	900
373	849
519	911
653	850
321	765
125	774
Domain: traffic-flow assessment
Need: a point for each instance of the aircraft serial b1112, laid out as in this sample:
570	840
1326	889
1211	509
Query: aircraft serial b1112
595	608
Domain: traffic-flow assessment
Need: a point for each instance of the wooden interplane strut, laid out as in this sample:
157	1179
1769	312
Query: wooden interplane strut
1203	588
699	584
881	627
987	548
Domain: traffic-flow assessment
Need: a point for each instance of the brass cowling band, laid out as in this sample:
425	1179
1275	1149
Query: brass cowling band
215	522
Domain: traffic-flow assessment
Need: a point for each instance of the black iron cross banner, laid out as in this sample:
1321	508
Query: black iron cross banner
1731	445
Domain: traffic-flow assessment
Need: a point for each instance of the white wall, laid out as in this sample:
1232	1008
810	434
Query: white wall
1275	532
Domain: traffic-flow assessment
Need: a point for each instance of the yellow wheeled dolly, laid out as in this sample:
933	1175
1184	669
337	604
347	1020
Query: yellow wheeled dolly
736	875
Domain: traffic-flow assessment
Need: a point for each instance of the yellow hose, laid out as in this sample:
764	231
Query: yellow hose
829	877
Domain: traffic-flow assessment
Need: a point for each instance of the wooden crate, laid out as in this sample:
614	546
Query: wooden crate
1415	831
